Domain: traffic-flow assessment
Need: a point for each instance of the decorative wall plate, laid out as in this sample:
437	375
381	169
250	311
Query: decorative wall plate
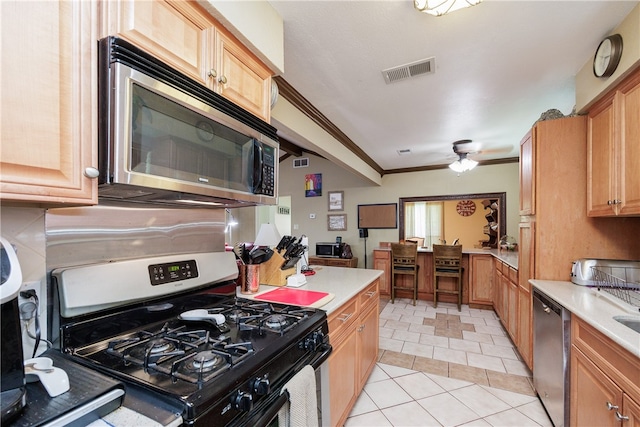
466	207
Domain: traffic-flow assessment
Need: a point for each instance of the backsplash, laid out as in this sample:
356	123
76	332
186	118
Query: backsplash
24	228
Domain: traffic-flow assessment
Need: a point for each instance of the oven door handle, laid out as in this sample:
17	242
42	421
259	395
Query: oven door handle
272	412
319	360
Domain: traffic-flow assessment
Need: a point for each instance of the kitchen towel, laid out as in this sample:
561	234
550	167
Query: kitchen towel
302	410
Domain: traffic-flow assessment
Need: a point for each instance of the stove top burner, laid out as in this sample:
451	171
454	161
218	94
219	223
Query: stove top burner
276	321
205	361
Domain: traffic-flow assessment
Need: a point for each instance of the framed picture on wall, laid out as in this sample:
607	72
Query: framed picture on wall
337	222
336	200
313	185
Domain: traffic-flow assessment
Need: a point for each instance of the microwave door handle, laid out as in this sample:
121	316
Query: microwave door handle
258	167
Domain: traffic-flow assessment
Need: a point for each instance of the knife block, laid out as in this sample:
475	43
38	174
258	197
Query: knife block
270	272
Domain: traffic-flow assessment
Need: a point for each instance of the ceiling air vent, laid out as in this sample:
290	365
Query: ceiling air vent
302	162
414	69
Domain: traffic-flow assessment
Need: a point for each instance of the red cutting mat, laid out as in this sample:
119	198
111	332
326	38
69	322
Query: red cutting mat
292	296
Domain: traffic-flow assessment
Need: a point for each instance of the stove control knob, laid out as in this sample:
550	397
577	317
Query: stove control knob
242	401
261	386
314	341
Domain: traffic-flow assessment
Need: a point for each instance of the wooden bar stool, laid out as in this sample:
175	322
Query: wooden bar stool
404	258
447	262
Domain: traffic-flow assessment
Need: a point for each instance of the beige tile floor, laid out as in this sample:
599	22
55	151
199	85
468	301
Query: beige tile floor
444	367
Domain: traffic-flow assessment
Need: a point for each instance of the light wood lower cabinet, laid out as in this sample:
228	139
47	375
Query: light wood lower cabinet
334	262
382	261
49	86
353	334
481	279
605	380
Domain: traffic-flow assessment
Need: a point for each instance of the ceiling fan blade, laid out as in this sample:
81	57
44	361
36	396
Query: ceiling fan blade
497	150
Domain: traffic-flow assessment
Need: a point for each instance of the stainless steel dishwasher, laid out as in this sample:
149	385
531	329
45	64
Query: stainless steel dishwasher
551	346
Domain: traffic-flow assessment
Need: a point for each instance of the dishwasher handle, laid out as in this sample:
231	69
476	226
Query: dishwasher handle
548	305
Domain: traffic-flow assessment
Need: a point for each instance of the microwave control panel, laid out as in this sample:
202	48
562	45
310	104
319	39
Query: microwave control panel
160	274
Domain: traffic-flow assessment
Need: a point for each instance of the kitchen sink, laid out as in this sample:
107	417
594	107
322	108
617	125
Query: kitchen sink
632	322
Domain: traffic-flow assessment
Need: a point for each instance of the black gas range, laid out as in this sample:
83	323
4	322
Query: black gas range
215	358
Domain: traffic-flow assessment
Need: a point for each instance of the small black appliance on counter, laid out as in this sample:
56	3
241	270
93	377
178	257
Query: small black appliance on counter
13	395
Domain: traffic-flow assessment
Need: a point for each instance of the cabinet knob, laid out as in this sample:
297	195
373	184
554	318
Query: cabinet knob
91	172
611	406
213	73
222	80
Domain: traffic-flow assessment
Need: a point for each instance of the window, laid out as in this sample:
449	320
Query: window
424	219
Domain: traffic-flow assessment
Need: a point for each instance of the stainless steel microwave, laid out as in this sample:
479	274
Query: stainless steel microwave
167	139
329	249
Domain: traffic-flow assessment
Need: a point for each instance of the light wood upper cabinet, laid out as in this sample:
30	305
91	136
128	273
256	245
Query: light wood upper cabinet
197	46
49	86
242	78
527	174
613	186
174	32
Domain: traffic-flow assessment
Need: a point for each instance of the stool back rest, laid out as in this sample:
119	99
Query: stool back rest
417	240
447	257
404	255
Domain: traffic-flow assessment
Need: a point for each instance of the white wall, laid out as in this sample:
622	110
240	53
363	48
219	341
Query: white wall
483	179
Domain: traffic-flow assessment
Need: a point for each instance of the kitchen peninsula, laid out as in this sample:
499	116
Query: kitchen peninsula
477	278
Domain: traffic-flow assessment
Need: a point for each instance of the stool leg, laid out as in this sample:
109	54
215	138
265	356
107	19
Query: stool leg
435	291
459	292
393	287
415	288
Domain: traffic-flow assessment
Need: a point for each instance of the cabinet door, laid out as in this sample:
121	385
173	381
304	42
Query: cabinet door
382	261
49	85
527	174
242	78
629	173
481	279
145	23
591	391
498	291
512	309
367	332
601	159
342	377
632	410
525	325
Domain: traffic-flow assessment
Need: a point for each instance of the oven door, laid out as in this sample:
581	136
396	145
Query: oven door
266	413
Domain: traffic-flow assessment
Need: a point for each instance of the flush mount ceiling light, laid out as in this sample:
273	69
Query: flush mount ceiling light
442	7
463	164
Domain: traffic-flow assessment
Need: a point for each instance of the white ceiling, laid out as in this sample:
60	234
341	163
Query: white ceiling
499	66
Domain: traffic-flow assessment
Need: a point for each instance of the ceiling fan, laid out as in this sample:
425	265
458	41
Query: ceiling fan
464	147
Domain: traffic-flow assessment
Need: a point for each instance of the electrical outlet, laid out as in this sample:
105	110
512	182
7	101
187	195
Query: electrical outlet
34	285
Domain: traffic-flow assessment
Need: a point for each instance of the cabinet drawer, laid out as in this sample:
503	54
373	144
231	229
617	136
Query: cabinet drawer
369	296
616	362
343	317
513	274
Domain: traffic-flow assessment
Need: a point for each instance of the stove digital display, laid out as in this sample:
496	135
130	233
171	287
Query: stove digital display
160	274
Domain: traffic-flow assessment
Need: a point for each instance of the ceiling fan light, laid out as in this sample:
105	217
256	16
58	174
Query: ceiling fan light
442	7
463	164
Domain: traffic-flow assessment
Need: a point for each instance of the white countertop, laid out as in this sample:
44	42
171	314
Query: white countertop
508	257
597	308
343	282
